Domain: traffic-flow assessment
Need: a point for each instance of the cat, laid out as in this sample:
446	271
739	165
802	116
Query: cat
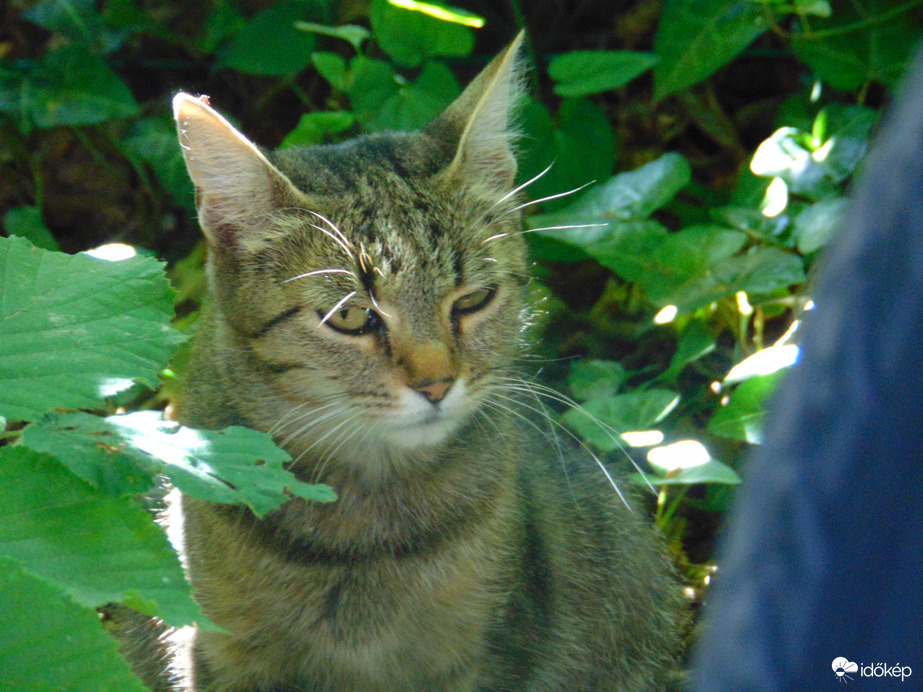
367	309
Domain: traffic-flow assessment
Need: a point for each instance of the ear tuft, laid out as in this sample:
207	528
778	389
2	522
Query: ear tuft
482	114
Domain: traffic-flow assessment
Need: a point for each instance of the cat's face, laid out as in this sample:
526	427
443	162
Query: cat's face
373	288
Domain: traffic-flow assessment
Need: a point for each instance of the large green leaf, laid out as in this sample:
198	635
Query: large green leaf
99	549
48	643
75	329
66	86
585	72
410	38
861	41
121	454
270	44
696	37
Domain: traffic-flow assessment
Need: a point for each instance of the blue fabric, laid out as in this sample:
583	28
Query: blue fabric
822	558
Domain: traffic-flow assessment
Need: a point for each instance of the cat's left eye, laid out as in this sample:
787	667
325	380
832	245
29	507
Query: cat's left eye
474	301
352	321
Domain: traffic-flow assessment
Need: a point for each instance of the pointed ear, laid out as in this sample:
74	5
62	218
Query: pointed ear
235	184
482	115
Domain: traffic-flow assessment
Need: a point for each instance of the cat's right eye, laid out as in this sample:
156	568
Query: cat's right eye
352	321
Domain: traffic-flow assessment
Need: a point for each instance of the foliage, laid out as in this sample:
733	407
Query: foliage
708	145
76	331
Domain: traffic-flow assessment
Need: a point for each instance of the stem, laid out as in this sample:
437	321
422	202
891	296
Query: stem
871	21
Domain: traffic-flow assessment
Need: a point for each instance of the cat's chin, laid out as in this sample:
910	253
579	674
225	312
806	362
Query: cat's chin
418	424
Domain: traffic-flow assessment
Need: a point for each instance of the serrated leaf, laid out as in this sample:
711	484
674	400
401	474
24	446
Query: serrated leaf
49	643
290	49
696	37
592	378
742	417
26	222
75	329
577	143
97	548
116	454
861	41
585	72
411	38
66	86
154	140
618	414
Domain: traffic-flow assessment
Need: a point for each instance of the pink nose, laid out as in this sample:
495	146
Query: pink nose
434	390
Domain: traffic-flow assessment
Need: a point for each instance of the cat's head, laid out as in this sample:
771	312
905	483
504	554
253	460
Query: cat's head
372	288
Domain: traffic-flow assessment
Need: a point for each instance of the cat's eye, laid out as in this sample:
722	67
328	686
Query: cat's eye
352	321
474	301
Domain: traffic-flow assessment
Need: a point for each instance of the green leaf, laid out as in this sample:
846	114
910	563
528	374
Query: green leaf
589	379
99	549
153	140
760	272
332	67
696	37
67	86
629	196
26	222
269	44
313	128
685	255
618	414
119	454
712	471
585	72
75	329
742	417
694	343
751	221
858	44
386	102
222	23
351	33
816	225
577	143
48	642
78	20
411	38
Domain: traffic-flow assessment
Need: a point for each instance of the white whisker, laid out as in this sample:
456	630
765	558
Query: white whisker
521	187
315	273
345	244
545	199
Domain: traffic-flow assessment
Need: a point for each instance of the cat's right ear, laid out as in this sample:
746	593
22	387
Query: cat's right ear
235	184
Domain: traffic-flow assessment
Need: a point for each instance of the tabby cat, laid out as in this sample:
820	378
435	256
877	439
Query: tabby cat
367	309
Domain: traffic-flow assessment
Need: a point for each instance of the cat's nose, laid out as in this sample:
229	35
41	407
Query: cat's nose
434	390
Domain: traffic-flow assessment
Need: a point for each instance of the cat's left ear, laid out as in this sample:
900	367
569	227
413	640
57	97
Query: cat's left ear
482	115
